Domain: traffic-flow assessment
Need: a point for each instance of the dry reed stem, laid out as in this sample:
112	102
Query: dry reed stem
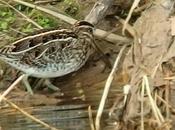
111	110
45	1
55	14
134	5
167	95
29	116
128	27
106	89
170	78
167	104
17	31
156	67
126	90
12	86
98	33
142	103
91	121
154	107
143	7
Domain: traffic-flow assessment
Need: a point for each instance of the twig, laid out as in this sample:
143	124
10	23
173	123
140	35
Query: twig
98	33
15	30
29	116
11	87
106	89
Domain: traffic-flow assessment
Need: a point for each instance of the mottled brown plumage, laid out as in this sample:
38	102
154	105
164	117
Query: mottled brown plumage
51	53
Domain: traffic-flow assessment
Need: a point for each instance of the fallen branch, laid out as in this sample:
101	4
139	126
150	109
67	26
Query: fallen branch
98	33
99	10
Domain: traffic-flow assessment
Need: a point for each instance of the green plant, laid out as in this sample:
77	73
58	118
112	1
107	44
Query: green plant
6	18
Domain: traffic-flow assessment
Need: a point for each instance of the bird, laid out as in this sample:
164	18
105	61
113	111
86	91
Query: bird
52	53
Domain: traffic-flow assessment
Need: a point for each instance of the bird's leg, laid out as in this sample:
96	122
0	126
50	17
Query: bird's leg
53	87
50	85
47	83
27	85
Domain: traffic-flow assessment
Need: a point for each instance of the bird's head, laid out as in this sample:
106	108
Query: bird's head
83	26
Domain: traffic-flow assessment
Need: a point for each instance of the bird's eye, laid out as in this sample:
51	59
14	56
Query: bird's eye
91	30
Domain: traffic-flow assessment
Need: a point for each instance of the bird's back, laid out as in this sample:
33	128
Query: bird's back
48	54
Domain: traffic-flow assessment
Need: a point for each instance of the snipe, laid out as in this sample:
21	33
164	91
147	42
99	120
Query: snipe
51	53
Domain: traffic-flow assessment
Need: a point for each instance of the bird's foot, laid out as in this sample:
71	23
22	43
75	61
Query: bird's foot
40	82
27	85
53	87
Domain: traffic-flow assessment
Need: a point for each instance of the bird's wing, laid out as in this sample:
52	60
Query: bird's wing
34	46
